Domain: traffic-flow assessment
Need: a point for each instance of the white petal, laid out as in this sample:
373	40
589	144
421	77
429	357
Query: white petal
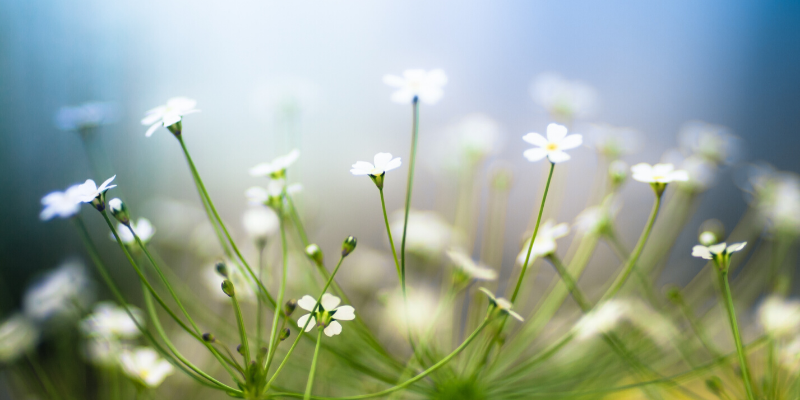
642	168
381	159
515	315
152	129
301	322
395	163
153	116
488	293
556	132
329	301
430	95
679	175
736	247
436	77
362	168
403	96
181	103
334	328
535	154
345	313
559	230
717	248
662	169
307	303
557	156
535	139
702	252
171	118
570	142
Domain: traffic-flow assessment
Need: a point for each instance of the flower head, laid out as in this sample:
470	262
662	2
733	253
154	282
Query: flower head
553	146
273	194
469	267
659	173
112	322
776	197
85	116
720	253
712	142
417	84
428	234
145	366
383	162
501	304
598	219
563	99
277	167
327	316
545	243
169	114
60	204
246	288
18	335
57	292
260	222
143	228
779	317
613	142
602	319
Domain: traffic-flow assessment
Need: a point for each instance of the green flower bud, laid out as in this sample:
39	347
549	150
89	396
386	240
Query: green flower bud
348	246
378	179
222	269
711	232
673	294
289	307
176	128
240	350
119	211
209	338
284	334
315	253
714	385
227	288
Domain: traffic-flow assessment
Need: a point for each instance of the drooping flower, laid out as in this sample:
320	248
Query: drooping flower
469	267
553	146
112	322
18	335
58	292
85	116
602	319
277	167
60	204
659	173
260	222
563	99
501	304
545	243
169	114
383	163
145	366
143	228
714	251
779	317
328	314
417	84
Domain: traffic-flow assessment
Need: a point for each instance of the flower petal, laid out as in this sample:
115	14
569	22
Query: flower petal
515	315
557	156
301	322
329	301
735	247
395	163
717	248
488	293
535	154
570	142
702	252
154	115
345	313
403	96
556	132
679	175
535	139
381	159
307	303
333	329
394	80
152	129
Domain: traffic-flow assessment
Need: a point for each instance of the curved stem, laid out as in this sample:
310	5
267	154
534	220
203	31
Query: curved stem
310	382
389	232
726	292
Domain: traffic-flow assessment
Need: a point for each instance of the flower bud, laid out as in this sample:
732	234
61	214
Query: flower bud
378	179
714	385
209	338
99	202
176	128
284	334
222	269
227	288
711	232
348	246
618	172
119	210
289	307
239	349
315	253
673	294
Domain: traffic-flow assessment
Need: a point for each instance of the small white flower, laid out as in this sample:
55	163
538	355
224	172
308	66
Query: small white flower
57	292
103	352
502	304
779	317
470	267
613	142
328	313
85	116
553	146
417	83
112	322
259	196
700	171
562	98
428	234
714	143
720	249
260	222
18	335
143	228
88	191
383	163
61	204
602	319
545	243
597	219
169	114
659	173
145	366
277	167
414	313
776	196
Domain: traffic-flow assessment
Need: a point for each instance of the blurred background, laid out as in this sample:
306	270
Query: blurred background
271	76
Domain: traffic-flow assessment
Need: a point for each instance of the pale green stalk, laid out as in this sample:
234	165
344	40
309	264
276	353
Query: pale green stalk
409	185
260	302
273	336
389	232
242	330
310	382
726	293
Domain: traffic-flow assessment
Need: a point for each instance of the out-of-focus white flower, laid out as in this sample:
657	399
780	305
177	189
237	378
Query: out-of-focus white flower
421	316
553	146
659	173
779	317
545	242
260	222
602	319
477	136
428	235
776	196
18	335
285	96
145	366
57	292
417	83
789	355
597	219
169	114
469	267
613	142
88	191
85	116
61	204
383	163
143	228
700	171
329	313
246	288
565	100
111	321
712	142
720	249
277	167
103	352
502	304
273	192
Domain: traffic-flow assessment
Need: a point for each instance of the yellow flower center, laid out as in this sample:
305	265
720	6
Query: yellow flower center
551	147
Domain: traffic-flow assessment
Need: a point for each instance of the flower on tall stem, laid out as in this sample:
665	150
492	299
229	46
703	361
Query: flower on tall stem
417	84
545	243
469	268
143	228
658	176
89	192
273	195
720	253
60	204
383	163
501	304
112	322
553	146
169	115
145	366
276	168
564	100
327	316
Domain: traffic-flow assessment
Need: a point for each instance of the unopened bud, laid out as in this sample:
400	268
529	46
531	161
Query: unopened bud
176	128
714	385
348	246
617	172
289	307
119	210
227	288
222	269
209	338
284	334
711	232
315	253
673	294
378	179
240	349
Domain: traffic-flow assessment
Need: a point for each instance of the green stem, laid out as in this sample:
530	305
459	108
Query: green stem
40	373
571	284
389	232
409	185
242	330
726	292
310	382
273	336
259	307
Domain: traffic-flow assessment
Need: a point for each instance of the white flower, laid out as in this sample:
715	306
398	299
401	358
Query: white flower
169	114
545	242
417	83
720	249
57	292
144	365
143	228
597	219
502	304
712	142
329	313
562	98
61	204
274	191
18	335
428	233
419	313
383	163
700	171
612	141
260	222
553	146
276	167
659	173
776	196
470	267
103	352
85	116
779	317
112	322
602	319
88	191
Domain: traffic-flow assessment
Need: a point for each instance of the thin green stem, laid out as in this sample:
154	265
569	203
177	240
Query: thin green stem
389	232
310	382
242	330
726	293
273	336
409	186
41	374
260	302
